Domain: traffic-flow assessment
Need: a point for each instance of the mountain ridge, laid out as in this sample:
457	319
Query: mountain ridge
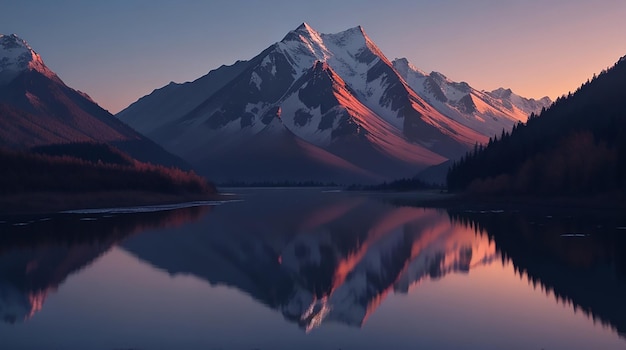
38	108
363	106
488	112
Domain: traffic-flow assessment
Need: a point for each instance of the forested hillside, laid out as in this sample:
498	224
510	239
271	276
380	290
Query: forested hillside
576	146
90	167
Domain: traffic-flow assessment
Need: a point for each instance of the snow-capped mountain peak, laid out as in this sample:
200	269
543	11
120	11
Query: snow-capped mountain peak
528	105
17	56
304	45
403	66
337	93
304	33
501	93
486	112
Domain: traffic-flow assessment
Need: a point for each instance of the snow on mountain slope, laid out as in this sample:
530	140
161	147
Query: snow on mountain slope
486	112
336	92
328	114
374	82
512	100
17	56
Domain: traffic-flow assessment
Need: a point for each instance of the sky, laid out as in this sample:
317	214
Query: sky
120	50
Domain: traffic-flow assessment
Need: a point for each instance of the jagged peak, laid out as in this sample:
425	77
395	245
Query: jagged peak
349	35
402	60
546	99
12	41
305	27
17	56
304	30
439	76
355	30
507	93
402	65
502	92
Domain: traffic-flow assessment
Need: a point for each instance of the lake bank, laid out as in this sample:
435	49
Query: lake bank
461	201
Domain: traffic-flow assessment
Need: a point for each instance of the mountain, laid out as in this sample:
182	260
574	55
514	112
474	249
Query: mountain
575	147
164	104
335	95
37	108
511	101
486	112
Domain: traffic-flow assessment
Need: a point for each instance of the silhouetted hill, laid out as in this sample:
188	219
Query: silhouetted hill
576	146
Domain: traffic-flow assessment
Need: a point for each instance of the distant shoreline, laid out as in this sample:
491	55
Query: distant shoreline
54	202
483	202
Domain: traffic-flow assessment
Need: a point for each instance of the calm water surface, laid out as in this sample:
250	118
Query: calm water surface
305	269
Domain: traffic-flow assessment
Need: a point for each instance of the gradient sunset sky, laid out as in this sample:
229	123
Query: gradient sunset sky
119	50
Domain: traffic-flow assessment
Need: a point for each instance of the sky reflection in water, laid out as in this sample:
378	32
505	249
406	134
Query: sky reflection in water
310	270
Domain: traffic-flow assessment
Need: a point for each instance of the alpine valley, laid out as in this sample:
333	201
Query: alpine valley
322	107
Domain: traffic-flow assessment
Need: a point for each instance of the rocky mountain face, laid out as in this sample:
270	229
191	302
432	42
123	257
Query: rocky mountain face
335	98
37	108
486	112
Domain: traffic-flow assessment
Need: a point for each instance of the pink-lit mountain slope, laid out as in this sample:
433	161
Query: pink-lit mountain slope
335	93
37	108
486	112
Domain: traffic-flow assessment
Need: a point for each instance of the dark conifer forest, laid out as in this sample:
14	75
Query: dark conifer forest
577	146
90	167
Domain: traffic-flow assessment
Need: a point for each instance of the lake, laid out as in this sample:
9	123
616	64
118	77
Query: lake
314	269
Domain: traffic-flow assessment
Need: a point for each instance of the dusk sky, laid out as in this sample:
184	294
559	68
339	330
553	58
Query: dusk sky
119	50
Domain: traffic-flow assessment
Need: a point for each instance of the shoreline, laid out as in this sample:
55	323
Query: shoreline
464	201
42	203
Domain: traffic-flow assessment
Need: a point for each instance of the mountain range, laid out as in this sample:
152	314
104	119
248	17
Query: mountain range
488	112
326	107
37	108
313	106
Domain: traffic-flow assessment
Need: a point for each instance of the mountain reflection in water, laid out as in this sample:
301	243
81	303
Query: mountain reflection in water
330	258
318	259
37	255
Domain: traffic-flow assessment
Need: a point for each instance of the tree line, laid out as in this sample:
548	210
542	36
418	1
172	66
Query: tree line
576	146
91	167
